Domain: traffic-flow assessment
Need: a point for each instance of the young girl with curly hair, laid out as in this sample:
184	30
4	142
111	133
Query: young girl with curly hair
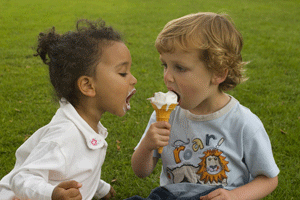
90	71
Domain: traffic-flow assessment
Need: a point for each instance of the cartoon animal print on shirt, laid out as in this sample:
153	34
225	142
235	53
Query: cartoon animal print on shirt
185	173
213	168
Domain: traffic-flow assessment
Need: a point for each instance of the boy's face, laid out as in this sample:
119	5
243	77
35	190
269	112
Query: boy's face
113	80
186	75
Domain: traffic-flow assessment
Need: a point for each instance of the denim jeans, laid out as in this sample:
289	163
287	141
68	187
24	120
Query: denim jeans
161	193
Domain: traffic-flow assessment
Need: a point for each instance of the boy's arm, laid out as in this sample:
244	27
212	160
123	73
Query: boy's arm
142	160
260	187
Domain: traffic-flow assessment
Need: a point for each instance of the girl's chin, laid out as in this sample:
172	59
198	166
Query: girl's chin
126	108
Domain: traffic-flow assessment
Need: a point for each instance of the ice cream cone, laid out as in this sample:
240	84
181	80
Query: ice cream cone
163	114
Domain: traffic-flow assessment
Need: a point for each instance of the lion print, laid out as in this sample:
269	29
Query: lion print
213	168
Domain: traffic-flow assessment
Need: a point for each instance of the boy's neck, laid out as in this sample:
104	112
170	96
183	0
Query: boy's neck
89	114
212	104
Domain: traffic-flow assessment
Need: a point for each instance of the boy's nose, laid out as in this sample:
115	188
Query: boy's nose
168	76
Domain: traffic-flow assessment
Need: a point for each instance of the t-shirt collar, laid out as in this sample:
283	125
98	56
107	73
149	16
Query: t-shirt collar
214	115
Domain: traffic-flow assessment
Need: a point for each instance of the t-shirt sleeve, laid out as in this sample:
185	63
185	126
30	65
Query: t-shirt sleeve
258	154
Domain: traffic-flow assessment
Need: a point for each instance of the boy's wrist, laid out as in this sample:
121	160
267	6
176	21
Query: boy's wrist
145	147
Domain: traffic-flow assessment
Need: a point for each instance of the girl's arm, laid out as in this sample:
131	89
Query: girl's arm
31	180
260	187
142	160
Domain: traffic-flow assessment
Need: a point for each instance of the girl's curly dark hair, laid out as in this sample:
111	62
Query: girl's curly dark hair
74	54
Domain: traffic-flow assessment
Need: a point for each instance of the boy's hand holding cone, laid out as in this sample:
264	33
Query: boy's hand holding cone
163	104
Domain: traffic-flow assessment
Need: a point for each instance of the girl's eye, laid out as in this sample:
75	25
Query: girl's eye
123	74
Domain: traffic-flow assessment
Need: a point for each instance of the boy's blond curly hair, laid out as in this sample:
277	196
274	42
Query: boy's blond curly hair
216	37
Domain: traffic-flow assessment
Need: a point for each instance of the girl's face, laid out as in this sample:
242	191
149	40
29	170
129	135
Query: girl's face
113	81
186	75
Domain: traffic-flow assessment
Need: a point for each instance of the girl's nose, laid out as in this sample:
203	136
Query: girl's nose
133	80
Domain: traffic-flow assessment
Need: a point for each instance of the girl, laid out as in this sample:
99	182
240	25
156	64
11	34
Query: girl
90	72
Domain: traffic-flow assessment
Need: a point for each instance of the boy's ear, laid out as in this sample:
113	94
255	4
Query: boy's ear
86	86
219	78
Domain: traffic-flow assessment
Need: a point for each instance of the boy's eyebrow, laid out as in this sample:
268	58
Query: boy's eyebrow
162	60
174	61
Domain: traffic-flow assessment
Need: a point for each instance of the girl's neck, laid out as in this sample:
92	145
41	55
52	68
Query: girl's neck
90	115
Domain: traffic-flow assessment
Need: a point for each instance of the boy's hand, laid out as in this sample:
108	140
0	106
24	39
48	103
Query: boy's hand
68	190
158	135
219	194
112	193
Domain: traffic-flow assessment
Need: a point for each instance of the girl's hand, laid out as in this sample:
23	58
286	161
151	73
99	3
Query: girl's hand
67	190
112	193
157	135
219	194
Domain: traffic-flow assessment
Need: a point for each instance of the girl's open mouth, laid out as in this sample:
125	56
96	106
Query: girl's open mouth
129	97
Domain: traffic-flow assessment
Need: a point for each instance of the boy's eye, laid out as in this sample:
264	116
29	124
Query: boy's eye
123	74
164	65
179	68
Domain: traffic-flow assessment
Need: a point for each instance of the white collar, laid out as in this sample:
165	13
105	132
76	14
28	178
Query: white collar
94	140
214	115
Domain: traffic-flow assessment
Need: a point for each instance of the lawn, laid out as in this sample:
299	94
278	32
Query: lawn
271	36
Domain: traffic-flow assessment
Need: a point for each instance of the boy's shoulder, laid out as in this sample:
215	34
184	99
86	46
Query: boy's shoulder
245	121
244	113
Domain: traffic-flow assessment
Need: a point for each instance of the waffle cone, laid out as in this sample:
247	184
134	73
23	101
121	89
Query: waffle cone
163	114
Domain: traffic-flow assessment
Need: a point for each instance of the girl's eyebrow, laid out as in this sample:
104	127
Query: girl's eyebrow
122	64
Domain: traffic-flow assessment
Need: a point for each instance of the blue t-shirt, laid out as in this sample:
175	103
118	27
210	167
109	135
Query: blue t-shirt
229	147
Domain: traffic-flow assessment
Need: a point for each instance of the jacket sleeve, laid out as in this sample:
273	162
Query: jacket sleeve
31	180
102	190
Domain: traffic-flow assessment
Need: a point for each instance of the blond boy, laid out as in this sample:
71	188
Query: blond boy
214	148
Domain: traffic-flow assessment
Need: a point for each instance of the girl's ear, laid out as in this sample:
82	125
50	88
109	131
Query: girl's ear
219	78
86	86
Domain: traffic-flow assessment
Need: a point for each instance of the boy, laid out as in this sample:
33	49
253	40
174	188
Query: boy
216	148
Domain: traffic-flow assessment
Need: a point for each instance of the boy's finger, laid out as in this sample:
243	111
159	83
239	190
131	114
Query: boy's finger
213	194
162	124
164	133
70	184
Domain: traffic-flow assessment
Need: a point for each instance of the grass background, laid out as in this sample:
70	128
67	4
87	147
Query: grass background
271	36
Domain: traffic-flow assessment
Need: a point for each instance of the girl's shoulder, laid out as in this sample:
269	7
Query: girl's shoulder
59	131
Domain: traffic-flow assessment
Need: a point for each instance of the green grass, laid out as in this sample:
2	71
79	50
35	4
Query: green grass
271	35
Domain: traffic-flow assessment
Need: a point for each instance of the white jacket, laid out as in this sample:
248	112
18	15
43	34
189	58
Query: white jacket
65	149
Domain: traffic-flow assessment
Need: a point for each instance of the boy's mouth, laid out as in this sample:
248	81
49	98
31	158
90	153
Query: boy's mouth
178	96
129	97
